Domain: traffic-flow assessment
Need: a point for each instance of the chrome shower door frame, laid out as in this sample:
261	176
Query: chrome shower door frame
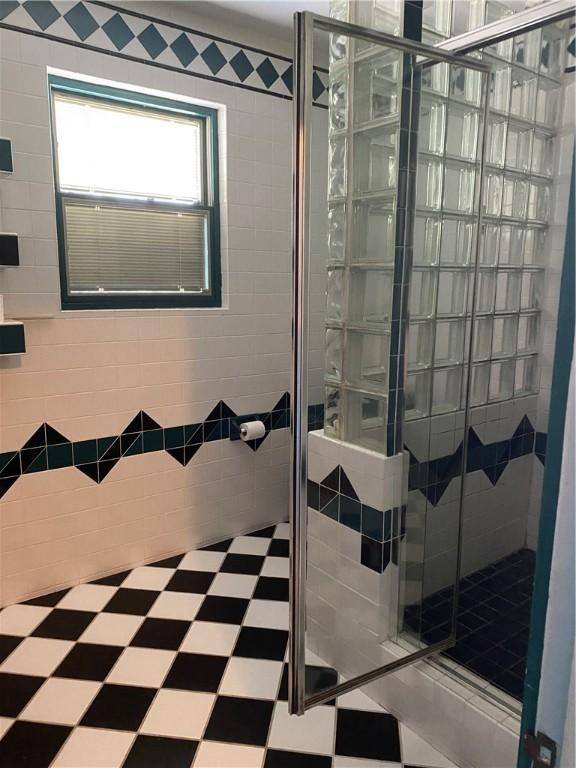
305	25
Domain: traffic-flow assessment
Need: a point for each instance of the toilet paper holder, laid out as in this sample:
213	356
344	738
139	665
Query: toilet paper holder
236	421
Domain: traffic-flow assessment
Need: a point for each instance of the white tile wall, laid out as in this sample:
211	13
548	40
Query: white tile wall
88	373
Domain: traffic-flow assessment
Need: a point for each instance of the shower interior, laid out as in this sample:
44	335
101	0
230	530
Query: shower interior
436	342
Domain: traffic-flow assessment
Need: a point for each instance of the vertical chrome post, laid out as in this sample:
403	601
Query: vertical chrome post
303	53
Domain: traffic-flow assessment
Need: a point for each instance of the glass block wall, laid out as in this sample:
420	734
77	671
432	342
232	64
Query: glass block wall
364	129
365	119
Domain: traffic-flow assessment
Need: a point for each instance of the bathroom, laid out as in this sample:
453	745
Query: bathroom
308	502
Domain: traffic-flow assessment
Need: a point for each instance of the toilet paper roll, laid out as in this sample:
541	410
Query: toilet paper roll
252	430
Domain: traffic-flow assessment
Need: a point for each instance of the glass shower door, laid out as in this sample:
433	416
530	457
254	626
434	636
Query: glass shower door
376	526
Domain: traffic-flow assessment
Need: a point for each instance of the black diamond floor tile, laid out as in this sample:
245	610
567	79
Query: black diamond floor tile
88	661
279	548
241	721
161	633
220	546
169	562
159	752
121	707
15	692
250	564
114	580
261	643
279	758
191	581
50	600
33	745
7	644
270	588
264	533
133	601
367	735
196	672
227	610
64	625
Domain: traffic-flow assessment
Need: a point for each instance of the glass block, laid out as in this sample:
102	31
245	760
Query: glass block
367	360
539	201
377	88
542	154
482	346
526	376
507	291
547	102
334	293
452	285
501	380
384	15
446	390
370	298
532	292
465	84
338	100
366	417
457	241
511	246
332	411
375	159
429	184
495	12
518	147
528	333
417	395
459	188
496	141
462	133
432	126
436	15
435	79
514	197
534	246
526	49
336	166
426	240
479	384
419	345
449	342
422	293
523	94
500	85
485	287
492	193
336	231
333	353
490	245
553	50
338	48
504	335
373	232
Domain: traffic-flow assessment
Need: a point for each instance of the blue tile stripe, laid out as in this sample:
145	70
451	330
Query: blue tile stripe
48	449
138	37
433	477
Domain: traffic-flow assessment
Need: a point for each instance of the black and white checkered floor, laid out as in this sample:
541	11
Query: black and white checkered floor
179	664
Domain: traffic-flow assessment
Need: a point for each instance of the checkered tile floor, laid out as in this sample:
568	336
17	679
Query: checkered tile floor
178	664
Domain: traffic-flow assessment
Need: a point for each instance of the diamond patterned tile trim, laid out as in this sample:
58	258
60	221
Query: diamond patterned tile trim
165	45
81	21
433	477
48	449
118	31
380	531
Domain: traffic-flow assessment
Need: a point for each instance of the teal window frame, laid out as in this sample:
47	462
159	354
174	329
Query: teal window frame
209	118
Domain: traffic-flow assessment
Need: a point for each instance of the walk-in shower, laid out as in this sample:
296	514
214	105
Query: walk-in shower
415	508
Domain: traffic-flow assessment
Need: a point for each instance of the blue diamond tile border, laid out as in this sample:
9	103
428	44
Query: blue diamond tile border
161	44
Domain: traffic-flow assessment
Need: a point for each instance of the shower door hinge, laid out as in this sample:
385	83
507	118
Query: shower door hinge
541	749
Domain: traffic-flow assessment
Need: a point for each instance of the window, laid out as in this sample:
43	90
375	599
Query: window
136	199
